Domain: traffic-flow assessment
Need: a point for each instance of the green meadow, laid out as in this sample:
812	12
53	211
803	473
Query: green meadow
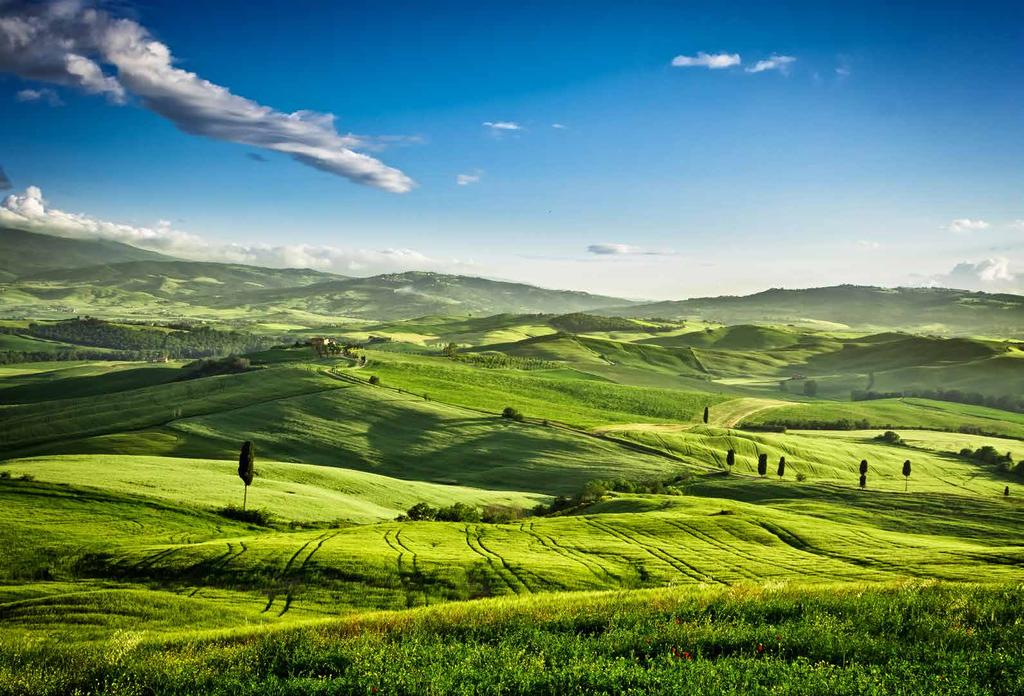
602	539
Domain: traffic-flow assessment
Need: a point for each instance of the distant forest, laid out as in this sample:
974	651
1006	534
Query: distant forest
130	342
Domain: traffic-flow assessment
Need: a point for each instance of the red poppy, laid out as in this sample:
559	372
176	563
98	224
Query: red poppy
760	648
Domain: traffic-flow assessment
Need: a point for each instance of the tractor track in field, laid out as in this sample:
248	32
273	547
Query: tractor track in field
289	568
516	574
790	539
417	577
655	541
499	570
731	554
675	564
397	549
553	546
738	552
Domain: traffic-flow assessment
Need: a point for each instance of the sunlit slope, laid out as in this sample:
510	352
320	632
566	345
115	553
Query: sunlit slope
894	413
291	492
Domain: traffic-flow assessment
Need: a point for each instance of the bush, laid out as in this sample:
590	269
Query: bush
458	512
422	511
257	516
27	477
810	388
503	514
890	438
801	476
374	379
512	414
5	475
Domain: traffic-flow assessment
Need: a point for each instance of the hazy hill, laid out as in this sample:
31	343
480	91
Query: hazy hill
937	310
25	253
416	294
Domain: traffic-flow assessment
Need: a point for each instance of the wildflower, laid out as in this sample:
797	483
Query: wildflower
760	648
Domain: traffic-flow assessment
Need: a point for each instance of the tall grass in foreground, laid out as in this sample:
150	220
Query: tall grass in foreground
906	639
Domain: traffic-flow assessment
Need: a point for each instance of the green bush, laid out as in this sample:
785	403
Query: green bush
512	414
258	516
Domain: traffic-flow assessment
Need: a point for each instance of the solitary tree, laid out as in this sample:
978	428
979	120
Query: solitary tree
246	471
762	464
863	467
730	458
782	467
810	387
906	474
705	415
1006	492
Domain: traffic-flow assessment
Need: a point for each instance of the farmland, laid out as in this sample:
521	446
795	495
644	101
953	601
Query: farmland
465	490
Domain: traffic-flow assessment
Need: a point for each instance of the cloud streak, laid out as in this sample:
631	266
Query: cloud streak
467	179
44	94
608	249
499	126
30	211
711	61
967	225
775	62
72	44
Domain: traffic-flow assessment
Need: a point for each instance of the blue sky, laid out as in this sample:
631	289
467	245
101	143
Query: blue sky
851	162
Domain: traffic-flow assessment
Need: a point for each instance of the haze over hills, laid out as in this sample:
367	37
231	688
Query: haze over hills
54	275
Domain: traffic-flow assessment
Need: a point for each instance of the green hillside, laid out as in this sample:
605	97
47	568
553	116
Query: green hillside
932	310
26	253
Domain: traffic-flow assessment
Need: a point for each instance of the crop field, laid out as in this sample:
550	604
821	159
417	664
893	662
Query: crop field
608	529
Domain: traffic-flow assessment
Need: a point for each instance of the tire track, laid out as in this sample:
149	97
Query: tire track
551	545
656	554
511	571
490	561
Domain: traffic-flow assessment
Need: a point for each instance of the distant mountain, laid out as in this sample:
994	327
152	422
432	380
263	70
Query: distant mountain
26	253
183	280
46	276
922	310
416	294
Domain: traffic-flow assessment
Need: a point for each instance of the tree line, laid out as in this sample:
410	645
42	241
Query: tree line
192	342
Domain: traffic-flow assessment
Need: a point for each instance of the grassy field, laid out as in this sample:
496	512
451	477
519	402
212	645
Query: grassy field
122	572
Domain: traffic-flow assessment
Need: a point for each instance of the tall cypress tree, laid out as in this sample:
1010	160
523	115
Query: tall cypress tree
906	475
706	413
762	464
782	467
246	468
730	458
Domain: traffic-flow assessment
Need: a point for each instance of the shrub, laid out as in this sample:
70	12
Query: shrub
27	477
422	511
5	475
458	512
374	379
258	516
512	414
801	476
889	437
810	387
503	514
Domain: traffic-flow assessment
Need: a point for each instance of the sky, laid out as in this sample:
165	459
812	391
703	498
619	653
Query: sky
655	150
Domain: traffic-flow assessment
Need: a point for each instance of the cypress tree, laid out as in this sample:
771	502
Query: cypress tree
863	467
762	464
1006	492
706	412
782	467
906	474
863	480
246	470
730	458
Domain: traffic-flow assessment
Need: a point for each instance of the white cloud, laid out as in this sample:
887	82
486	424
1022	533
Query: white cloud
502	125
39	95
991	275
559	126
775	62
711	61
625	250
69	42
967	225
30	211
1017	225
467	179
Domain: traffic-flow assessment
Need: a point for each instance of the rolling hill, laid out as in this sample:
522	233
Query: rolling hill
931	310
25	253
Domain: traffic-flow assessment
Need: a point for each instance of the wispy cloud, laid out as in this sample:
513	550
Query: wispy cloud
45	95
775	62
71	43
559	126
608	249
711	61
868	244
499	126
30	211
967	225
467	179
